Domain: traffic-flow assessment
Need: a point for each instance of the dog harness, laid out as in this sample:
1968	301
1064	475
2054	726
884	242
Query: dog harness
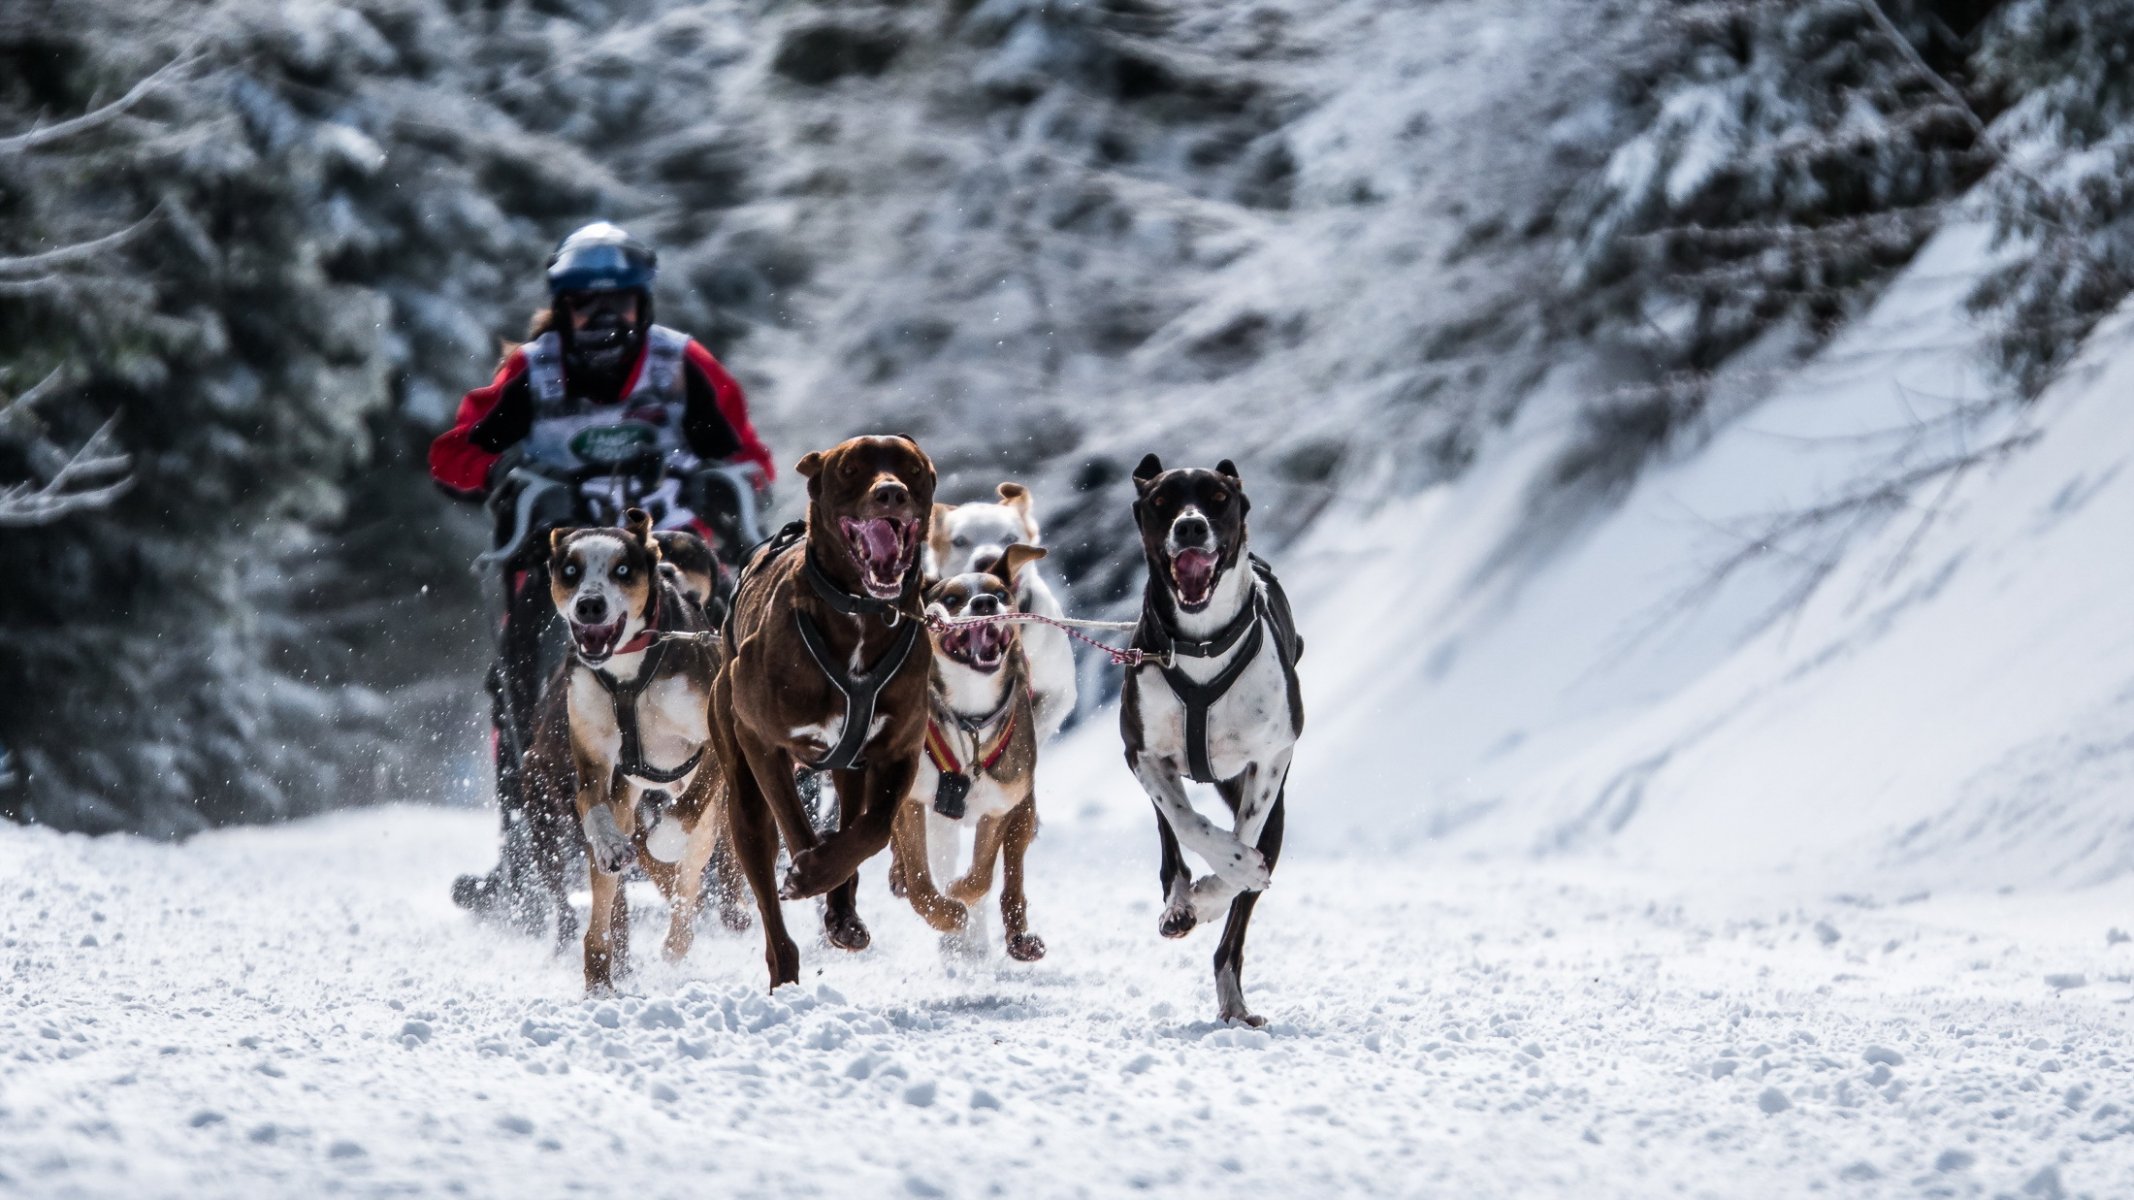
1268	607
955	783
863	690
631	762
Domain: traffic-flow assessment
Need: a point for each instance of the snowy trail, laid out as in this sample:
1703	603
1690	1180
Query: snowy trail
298	1010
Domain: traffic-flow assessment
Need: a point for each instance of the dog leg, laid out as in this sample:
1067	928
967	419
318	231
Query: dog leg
605	842
551	861
1251	798
897	886
607	934
985	851
1178	916
841	924
1230	952
754	837
911	843
862	836
685	895
1232	859
1023	946
722	875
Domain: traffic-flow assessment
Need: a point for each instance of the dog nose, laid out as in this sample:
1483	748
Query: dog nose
985	606
592	610
890	492
1191	530
983	558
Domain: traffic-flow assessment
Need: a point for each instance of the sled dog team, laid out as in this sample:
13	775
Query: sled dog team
864	643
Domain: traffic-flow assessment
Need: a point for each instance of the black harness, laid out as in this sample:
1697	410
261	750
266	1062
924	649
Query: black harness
631	762
861	691
1247	632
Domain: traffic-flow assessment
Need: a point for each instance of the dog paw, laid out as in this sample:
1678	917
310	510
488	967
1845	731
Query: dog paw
846	933
1177	921
1241	1017
1026	947
474	892
800	881
606	844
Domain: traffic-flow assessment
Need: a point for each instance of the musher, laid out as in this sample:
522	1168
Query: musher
615	412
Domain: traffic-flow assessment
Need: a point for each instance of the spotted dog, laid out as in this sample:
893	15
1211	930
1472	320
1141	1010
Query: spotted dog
970	537
1217	704
980	767
647	782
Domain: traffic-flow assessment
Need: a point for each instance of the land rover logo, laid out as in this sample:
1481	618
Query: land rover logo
605	444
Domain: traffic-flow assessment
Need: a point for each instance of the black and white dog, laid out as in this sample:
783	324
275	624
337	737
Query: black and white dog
1218	705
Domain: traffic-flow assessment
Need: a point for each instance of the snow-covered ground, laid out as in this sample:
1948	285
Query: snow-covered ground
300	1011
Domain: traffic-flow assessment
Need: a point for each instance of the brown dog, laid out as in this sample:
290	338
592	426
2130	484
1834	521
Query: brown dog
825	666
639	740
980	766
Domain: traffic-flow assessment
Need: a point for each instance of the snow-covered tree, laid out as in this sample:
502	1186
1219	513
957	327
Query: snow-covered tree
1782	157
2066	200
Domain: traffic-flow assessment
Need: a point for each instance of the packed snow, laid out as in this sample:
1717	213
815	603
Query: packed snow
300	1010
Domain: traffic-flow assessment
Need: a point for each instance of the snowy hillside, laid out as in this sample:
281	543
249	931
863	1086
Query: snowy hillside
1861	627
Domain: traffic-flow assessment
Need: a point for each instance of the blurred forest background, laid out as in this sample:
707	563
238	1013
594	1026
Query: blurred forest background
252	251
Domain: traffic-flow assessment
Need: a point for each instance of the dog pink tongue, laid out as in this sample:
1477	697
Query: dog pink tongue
878	542
1195	571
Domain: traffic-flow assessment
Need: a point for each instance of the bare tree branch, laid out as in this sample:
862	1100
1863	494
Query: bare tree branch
90	478
46	135
20	406
65	255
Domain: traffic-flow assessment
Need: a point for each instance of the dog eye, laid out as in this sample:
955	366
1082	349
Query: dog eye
622	571
1219	496
953	603
570	571
960	542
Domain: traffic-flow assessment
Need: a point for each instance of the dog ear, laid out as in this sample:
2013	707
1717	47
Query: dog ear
811	468
1151	466
1012	560
1228	470
1015	496
555	541
638	523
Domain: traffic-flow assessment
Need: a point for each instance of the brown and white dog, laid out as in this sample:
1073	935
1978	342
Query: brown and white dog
647	781
1221	705
824	666
980	766
970	537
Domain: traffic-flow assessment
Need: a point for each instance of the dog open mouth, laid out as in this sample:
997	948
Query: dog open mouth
597	642
1193	577
885	549
981	647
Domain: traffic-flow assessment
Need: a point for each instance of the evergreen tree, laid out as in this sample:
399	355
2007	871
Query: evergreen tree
2065	202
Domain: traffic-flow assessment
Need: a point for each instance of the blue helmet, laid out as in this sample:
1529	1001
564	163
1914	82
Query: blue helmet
601	257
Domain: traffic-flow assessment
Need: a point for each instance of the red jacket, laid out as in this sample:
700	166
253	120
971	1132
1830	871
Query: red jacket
492	418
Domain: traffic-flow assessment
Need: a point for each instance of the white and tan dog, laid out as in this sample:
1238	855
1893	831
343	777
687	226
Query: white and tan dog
979	771
970	537
647	782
